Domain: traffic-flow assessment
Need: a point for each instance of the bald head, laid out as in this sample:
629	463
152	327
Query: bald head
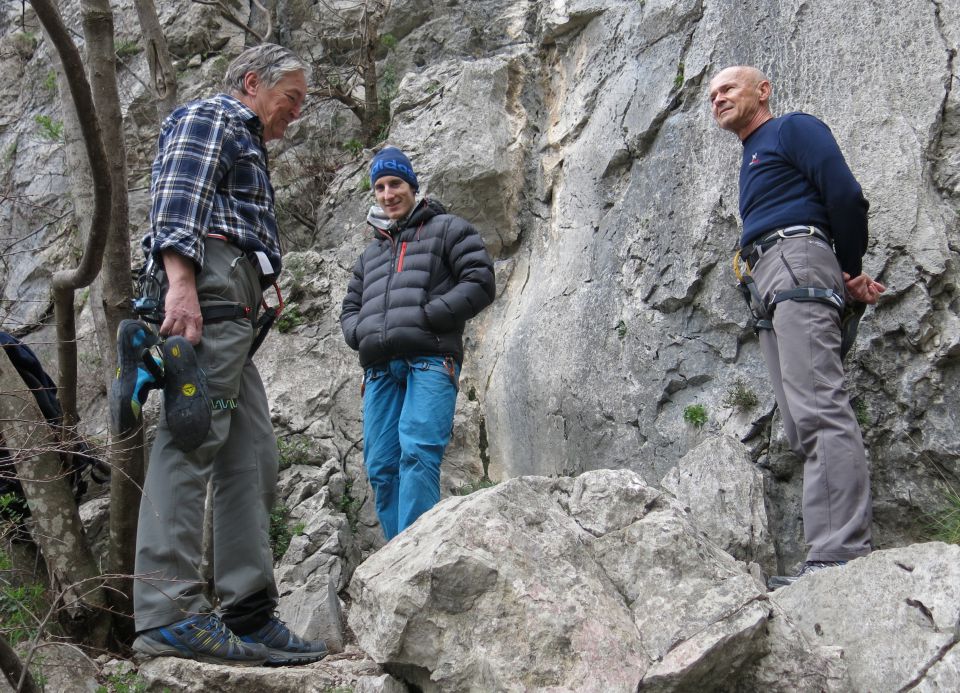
740	99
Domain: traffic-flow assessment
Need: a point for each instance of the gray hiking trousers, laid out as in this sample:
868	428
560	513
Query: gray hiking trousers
802	353
239	455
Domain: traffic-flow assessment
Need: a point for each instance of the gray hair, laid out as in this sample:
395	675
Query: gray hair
268	61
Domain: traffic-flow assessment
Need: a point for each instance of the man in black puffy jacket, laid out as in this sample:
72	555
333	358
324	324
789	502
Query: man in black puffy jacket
413	288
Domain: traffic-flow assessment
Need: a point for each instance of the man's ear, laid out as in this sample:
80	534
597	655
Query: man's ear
765	89
251	82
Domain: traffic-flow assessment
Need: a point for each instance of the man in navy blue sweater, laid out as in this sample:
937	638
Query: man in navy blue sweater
804	234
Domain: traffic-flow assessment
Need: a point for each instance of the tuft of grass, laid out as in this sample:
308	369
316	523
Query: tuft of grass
740	396
50	81
945	523
124	49
364	184
621	328
354	146
695	414
482	483
21	609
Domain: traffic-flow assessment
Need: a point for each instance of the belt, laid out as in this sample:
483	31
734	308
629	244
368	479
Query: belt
753	251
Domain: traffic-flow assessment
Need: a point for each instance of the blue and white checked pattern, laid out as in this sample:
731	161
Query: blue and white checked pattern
211	175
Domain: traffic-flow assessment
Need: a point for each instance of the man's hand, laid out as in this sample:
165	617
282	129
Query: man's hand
181	307
862	288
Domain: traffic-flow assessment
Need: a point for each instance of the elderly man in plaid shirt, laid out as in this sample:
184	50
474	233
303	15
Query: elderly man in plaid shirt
213	232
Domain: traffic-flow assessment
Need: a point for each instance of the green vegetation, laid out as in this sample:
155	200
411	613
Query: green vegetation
364	184
25	43
124	49
740	397
290	317
294	449
946	522
350	506
50	81
482	483
123	682
21	610
11	152
695	414
49	128
432	87
862	411
354	146
389	41
621	328
678	80
281	531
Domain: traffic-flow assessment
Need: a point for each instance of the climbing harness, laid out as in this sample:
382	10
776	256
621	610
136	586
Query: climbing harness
149	303
745	259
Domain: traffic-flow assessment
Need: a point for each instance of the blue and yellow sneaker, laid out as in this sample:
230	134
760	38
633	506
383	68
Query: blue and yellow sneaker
284	646
185	401
204	638
138	372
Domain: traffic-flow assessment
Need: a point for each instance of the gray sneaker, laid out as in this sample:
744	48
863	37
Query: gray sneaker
204	638
778	581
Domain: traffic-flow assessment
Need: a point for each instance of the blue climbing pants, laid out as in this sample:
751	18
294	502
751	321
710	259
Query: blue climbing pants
408	407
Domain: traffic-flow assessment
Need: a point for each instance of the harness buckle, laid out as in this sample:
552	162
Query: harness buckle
806	231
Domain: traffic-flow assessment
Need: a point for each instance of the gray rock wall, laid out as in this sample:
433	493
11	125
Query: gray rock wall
576	136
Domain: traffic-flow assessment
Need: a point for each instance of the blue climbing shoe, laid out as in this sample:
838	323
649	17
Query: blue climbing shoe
284	646
138	372
204	638
185	401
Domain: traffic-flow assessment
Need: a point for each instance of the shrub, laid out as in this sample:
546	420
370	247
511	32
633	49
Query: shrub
740	397
482	483
695	414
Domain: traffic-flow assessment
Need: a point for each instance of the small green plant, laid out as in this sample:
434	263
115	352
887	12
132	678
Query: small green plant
388	88
389	41
281	531
740	397
432	87
124	49
123	682
481	483
49	128
695	414
25	43
621	328
21	609
294	450
350	506
290	317
50	81
678	80
354	146
11	152
861	410
364	184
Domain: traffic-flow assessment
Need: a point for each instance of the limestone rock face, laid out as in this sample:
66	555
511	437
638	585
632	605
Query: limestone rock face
596	583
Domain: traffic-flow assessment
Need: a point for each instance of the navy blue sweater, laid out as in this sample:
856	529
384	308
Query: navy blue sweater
794	173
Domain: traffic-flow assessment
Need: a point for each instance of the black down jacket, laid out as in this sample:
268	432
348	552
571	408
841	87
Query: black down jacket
415	286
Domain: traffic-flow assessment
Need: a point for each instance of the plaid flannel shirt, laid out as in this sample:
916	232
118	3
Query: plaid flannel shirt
211	176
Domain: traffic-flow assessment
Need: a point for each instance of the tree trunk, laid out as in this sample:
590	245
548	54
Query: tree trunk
58	530
115	286
158	57
14	670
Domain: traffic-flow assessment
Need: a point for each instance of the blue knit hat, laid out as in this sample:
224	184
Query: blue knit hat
390	161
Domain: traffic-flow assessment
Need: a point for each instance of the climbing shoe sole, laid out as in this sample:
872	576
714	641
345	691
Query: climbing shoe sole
185	400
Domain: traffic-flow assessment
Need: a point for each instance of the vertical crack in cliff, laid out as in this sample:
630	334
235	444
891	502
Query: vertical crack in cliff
943	117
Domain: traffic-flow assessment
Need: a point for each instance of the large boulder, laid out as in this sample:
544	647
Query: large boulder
594	583
895	615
